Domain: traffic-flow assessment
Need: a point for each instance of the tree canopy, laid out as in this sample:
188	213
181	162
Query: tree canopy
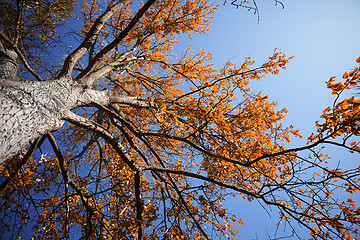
157	140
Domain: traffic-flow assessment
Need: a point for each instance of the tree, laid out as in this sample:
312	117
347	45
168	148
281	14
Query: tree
155	142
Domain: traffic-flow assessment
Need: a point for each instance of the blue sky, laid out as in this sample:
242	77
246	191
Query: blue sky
323	36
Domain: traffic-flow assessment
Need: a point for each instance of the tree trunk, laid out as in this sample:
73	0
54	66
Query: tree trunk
30	109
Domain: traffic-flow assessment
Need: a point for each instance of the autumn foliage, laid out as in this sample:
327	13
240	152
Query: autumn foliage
161	165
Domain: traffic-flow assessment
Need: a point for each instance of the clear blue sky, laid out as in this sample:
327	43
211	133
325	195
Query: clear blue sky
323	36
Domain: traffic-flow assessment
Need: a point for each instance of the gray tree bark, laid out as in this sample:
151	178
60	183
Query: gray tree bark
30	109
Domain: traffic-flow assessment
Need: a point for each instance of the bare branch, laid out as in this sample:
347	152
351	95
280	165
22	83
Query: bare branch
90	38
139	205
21	56
116	41
120	63
94	127
138	102
67	181
194	145
20	6
198	176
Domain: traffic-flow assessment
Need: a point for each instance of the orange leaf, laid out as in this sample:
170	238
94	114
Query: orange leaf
353	71
353	83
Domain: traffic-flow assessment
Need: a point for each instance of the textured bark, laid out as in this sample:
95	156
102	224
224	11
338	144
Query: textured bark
8	65
29	109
